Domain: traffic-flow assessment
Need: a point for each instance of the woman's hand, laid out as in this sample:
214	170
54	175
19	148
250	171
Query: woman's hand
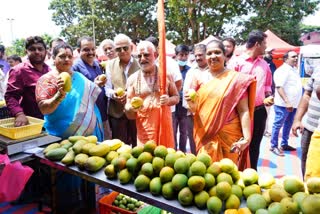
240	145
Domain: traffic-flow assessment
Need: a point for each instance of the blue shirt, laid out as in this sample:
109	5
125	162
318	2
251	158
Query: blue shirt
91	72
4	66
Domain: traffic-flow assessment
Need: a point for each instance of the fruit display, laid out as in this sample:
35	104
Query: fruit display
127	203
189	179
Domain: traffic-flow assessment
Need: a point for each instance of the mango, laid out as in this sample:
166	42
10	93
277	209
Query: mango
114	144
185	196
100	150
74	139
69	158
94	163
80	160
119	92
125	176
110	172
86	147
65	141
92	139
313	185
192	94
255	202
77	147
65	76
50	147
56	154
67	145
102	77
136	102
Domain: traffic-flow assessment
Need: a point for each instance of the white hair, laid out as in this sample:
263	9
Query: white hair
121	37
145	45
106	41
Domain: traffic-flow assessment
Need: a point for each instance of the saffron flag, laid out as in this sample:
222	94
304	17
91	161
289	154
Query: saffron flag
166	130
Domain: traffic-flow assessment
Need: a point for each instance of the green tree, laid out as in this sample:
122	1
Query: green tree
187	21
77	17
280	16
17	47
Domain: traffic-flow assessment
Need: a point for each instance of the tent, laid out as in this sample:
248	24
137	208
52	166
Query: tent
208	39
274	42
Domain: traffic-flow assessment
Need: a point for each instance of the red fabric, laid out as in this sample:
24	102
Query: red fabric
13	179
166	131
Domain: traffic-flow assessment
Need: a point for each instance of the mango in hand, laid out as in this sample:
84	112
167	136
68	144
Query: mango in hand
136	102
65	76
120	92
102	77
192	94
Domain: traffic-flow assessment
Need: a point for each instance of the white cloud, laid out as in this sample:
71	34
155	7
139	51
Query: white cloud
30	17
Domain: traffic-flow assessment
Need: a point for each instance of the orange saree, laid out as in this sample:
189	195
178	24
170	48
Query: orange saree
216	122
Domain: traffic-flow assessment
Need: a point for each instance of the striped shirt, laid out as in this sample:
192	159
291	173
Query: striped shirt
313	112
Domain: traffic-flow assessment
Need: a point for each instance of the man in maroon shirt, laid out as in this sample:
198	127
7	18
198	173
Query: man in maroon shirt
20	94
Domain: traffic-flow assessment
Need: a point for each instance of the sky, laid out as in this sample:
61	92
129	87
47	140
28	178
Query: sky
30	18
23	18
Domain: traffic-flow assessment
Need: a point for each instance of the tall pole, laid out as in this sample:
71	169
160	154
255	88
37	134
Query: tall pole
11	28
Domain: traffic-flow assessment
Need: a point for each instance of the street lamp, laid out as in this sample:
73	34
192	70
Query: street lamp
11	29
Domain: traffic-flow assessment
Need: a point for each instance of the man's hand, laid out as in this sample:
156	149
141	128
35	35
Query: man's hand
21	120
289	107
295	126
99	81
268	101
164	99
120	99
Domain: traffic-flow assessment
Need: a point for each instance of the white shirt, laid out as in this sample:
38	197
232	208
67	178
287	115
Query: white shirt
174	70
288	78
109	87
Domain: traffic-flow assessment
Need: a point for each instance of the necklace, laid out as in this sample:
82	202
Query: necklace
153	92
153	85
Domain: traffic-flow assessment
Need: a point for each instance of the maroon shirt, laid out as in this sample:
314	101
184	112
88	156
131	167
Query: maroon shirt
20	94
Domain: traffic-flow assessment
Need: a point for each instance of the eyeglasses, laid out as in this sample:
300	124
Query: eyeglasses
144	55
125	48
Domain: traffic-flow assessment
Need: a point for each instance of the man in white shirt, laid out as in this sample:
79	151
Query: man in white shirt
287	96
195	76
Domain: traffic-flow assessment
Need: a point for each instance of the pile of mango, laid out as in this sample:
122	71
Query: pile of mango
84	152
196	180
127	203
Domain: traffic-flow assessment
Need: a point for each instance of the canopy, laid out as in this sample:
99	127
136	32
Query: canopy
273	41
208	39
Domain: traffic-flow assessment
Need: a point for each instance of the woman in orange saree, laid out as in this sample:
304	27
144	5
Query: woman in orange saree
223	110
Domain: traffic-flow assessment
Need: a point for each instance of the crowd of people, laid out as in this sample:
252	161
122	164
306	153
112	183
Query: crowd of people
226	117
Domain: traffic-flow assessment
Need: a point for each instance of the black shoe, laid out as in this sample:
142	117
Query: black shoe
287	148
276	151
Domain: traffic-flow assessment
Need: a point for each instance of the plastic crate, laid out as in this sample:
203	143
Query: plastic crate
106	207
33	128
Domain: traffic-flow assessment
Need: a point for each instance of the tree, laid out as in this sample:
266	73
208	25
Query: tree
135	18
188	21
18	45
281	17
